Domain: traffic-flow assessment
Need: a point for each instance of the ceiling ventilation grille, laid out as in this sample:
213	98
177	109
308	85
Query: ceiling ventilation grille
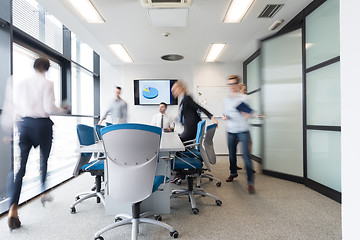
270	10
166	3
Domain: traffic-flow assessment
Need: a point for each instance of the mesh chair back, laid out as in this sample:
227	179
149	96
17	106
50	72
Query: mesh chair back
132	153
208	143
200	133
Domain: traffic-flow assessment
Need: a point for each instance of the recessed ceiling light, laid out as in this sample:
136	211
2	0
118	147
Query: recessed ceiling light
87	11
214	52
121	52
237	10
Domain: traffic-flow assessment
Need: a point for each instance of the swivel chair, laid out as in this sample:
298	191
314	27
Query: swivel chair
95	168
190	167
132	153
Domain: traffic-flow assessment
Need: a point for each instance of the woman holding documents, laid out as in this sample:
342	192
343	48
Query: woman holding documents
236	114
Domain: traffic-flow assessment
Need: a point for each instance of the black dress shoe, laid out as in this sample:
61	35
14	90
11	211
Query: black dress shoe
231	178
238	168
14	223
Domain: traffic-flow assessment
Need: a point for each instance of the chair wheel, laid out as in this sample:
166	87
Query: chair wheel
218	202
77	198
195	211
73	210
174	234
158	218
118	219
210	179
178	182
218	184
99	238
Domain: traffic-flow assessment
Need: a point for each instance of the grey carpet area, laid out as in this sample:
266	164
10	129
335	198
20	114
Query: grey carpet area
279	210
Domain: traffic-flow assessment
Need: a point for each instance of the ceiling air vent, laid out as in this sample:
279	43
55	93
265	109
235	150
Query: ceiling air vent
166	3
270	10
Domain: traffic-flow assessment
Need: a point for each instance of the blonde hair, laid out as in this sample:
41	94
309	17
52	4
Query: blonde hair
234	77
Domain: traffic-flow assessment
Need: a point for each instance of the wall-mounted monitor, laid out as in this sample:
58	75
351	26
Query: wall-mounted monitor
154	91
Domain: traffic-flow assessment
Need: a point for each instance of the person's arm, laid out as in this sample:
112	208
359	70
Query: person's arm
49	101
196	106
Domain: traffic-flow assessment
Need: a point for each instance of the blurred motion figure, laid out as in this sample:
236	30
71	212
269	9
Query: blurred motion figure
31	103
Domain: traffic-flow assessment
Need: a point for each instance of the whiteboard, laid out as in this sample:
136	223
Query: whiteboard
211	98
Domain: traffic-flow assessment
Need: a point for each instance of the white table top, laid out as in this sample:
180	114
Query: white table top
170	142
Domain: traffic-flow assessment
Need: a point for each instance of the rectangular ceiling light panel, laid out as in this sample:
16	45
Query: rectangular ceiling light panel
121	52
214	52
237	10
87	11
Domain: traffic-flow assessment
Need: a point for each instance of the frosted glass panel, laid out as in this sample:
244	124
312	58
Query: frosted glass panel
253	75
254	102
255	133
324	44
282	98
323	96
324	158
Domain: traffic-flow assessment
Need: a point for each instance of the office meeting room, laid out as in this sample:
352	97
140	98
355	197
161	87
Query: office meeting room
189	119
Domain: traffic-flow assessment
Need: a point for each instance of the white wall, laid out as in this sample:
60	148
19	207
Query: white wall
207	74
350	115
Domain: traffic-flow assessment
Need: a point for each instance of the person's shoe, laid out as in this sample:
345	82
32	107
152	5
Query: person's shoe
251	189
14	223
238	168
46	198
175	179
231	177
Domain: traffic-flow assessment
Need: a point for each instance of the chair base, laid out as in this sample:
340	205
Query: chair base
191	193
210	177
135	220
98	193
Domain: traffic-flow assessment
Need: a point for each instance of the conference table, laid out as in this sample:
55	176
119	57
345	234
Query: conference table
159	201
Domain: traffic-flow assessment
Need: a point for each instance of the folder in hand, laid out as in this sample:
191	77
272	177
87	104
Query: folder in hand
243	107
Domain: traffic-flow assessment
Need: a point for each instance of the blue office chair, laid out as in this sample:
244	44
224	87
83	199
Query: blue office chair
108	124
95	168
192	147
208	155
190	167
131	158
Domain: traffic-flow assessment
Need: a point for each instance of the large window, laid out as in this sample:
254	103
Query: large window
31	18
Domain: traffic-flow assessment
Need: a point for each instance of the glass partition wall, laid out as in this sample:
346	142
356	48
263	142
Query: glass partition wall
299	88
323	116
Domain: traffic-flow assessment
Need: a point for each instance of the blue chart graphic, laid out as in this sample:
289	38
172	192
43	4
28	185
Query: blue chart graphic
150	93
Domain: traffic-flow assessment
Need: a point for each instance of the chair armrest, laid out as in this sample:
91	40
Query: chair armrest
189	141
192	145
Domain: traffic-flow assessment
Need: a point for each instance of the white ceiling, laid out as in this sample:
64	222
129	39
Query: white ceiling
127	23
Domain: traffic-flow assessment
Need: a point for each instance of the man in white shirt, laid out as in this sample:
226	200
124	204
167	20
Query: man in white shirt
162	120
33	102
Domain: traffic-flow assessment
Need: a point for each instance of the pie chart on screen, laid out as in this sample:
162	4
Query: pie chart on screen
150	93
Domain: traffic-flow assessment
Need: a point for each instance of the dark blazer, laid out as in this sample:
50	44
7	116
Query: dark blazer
189	113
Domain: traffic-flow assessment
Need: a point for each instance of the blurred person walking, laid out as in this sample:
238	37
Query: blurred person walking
238	131
31	105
